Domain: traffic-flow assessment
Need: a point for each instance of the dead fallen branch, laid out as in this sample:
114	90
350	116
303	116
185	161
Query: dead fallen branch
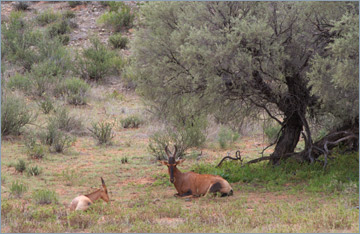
237	157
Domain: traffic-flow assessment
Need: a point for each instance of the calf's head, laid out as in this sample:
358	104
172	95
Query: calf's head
171	163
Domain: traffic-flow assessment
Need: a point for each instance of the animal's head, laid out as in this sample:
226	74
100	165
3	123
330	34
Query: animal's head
171	163
104	191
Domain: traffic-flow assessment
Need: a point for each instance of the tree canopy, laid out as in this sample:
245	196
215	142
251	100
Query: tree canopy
295	60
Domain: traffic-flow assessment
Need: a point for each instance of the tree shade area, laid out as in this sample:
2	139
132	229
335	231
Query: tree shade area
297	61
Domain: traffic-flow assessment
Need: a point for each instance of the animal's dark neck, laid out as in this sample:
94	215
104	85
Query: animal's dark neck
94	195
178	176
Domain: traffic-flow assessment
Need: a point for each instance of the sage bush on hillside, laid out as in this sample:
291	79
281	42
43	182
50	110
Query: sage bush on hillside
14	115
74	90
95	62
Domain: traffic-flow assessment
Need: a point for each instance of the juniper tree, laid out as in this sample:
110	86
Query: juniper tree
217	56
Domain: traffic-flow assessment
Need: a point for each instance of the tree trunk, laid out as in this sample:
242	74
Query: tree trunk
289	138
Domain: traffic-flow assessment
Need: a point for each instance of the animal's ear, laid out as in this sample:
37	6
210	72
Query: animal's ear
180	161
103	183
163	162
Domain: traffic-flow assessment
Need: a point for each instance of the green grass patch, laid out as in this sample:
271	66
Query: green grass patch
342	173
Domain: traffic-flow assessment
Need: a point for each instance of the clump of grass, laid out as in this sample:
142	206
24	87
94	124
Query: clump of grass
17	189
44	196
46	105
124	160
75	91
47	17
33	171
70	177
227	137
131	122
102	131
14	115
118	41
34	150
116	95
20	166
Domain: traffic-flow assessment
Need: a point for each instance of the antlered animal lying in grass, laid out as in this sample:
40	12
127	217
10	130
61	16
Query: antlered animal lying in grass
83	202
191	183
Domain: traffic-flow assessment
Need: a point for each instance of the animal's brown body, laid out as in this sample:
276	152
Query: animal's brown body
191	183
83	202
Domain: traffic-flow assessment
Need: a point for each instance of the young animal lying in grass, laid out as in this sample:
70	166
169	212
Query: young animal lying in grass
191	183
83	202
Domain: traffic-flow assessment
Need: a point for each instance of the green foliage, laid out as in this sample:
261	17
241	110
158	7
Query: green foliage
33	171
20	82
119	17
34	150
118	41
335	76
48	136
21	6
272	132
47	17
68	14
124	160
17	189
341	173
42	77
61	142
116	95
19	40
185	135
233	54
20	166
14	115
65	122
73	4
75	91
70	177
95	62
226	137
131	122
102	131
55	133
59	28
46	105
44	196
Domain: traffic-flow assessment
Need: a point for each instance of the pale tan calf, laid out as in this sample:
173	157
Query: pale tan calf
191	183
83	202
